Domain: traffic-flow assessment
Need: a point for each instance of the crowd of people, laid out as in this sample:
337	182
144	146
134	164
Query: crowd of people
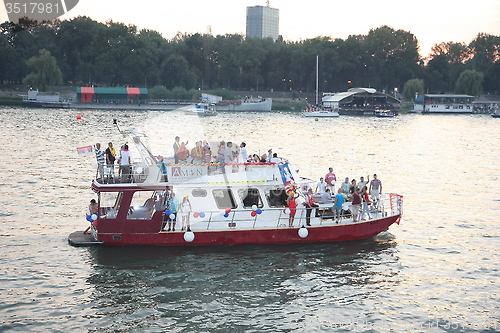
106	163
360	193
223	153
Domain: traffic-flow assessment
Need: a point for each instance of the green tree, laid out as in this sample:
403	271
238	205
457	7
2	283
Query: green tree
174	72
159	92
470	82
411	87
45	71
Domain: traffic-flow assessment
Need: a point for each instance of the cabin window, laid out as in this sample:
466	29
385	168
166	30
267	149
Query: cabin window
199	192
109	203
224	198
276	198
143	205
250	197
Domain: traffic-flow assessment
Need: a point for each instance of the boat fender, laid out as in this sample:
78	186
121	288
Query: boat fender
303	232
189	236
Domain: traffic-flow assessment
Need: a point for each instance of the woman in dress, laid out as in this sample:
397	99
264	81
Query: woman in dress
292	205
185	210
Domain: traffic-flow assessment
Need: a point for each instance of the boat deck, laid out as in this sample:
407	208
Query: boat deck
80	238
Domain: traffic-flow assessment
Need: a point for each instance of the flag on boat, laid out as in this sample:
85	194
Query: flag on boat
84	151
287	177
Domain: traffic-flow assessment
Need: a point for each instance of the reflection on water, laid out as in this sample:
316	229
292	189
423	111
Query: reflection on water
440	266
251	287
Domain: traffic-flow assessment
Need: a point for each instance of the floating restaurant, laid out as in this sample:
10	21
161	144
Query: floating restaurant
361	101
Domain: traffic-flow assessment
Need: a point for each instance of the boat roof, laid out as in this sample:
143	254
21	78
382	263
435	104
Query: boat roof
337	97
449	95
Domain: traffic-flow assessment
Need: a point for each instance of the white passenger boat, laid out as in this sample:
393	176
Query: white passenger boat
443	103
201	109
219	204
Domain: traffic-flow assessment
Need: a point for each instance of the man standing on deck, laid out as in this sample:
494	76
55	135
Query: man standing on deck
110	154
330	180
375	188
125	163
100	162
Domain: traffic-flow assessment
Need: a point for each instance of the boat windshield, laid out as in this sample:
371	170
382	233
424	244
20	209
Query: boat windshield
109	203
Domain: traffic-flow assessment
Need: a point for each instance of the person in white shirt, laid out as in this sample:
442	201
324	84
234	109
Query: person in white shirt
275	158
321	186
125	163
243	156
228	153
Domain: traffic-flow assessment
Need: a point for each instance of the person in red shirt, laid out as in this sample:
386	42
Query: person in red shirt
356	204
330	180
366	202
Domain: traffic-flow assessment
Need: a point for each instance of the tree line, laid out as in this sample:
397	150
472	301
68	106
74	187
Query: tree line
88	52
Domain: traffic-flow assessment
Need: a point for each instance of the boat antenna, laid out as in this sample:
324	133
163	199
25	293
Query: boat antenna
115	122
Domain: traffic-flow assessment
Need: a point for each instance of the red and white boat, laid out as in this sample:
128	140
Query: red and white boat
230	204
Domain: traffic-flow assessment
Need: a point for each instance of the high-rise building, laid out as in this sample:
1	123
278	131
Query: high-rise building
263	22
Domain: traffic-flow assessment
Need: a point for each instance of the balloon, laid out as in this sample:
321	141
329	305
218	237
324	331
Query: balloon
189	236
78	116
96	223
168	212
287	211
195	214
172	216
254	207
303	232
258	211
226	214
202	215
228	210
94	217
253	213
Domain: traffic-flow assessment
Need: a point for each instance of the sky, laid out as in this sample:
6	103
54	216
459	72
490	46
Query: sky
431	21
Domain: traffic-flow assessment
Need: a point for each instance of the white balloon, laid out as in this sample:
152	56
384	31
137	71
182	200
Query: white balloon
139	169
254	207
94	217
189	236
303	232
172	216
287	211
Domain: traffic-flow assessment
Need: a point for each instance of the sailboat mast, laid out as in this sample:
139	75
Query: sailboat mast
317	80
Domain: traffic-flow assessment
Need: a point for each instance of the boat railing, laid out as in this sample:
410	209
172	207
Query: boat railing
113	173
389	206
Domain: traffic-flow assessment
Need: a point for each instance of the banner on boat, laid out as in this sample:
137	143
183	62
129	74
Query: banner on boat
84	151
184	173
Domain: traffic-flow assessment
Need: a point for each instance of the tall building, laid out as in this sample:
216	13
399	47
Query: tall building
263	22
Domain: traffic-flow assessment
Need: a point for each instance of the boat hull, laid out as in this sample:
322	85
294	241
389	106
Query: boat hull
320	114
315	234
265	105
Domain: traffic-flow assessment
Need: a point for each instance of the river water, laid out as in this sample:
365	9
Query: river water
438	271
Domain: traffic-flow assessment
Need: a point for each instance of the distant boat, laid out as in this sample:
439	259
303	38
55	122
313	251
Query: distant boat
443	103
385	114
495	115
45	100
246	105
201	109
313	112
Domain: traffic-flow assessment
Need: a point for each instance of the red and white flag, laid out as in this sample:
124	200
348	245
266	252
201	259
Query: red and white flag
84	151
